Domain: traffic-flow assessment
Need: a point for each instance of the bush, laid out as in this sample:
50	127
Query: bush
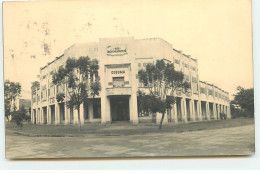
19	116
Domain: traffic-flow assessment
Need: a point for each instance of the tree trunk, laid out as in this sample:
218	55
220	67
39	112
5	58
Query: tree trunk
160	126
79	119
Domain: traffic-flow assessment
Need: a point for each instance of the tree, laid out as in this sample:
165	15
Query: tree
19	116
162	82
244	100
80	78
12	90
35	85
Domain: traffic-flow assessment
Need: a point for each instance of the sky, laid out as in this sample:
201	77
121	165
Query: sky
217	33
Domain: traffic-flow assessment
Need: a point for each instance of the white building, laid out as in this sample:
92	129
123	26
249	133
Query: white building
120	59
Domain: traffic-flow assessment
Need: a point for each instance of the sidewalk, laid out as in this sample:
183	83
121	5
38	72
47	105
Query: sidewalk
117	129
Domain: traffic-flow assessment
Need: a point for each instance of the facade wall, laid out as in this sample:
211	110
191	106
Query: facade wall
120	59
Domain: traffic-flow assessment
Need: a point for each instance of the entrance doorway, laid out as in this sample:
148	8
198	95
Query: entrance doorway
119	107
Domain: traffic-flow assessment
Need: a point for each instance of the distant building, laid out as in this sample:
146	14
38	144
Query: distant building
120	59
18	103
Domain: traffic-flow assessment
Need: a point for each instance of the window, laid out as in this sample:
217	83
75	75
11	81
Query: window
194	79
52	92
97	109
44	95
139	64
118	82
177	61
210	92
195	88
186	77
202	90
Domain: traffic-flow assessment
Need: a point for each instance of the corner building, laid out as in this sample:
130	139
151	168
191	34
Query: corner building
120	59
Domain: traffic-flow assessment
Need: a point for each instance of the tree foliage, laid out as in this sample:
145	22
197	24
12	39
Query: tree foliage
80	78
35	85
12	90
243	102
19	116
162	81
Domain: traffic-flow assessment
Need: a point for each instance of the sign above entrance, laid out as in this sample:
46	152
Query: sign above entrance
118	72
116	50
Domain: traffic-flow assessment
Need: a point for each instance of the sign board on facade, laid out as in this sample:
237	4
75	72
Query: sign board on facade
116	50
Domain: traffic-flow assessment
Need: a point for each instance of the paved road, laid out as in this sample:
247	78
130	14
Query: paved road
226	141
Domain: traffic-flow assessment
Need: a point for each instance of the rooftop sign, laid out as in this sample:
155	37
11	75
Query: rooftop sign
116	50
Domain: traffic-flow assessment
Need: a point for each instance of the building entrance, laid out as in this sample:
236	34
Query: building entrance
119	107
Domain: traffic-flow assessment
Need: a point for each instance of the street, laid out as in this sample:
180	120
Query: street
225	141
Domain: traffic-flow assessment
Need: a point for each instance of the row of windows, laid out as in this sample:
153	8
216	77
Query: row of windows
211	92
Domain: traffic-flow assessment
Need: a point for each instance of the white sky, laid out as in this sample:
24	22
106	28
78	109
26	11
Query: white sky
216	32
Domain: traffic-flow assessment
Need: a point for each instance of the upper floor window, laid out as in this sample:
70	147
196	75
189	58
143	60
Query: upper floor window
177	61
118	82
202	90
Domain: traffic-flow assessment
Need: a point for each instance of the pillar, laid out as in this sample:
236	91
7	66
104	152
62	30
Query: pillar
183	110
133	109
57	113
133	98
228	112
48	115
75	113
105	110
192	111
32	119
199	110
66	113
207	111
174	113
41	116
81	109
214	111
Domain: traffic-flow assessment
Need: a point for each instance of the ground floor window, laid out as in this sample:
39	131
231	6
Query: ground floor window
85	107
97	108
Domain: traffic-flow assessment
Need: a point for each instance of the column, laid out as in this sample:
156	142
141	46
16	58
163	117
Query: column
228	112
81	109
174	113
133	97
32	119
66	112
57	113
36	115
199	110
214	111
48	115
133	109
183	110
105	110
41	116
192	111
207	111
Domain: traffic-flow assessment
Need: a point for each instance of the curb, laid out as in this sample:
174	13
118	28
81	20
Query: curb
44	135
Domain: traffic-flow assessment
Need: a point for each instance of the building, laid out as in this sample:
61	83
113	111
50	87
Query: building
18	103
120	59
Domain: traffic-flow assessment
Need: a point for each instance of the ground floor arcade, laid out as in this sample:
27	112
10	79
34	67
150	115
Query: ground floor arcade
125	108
